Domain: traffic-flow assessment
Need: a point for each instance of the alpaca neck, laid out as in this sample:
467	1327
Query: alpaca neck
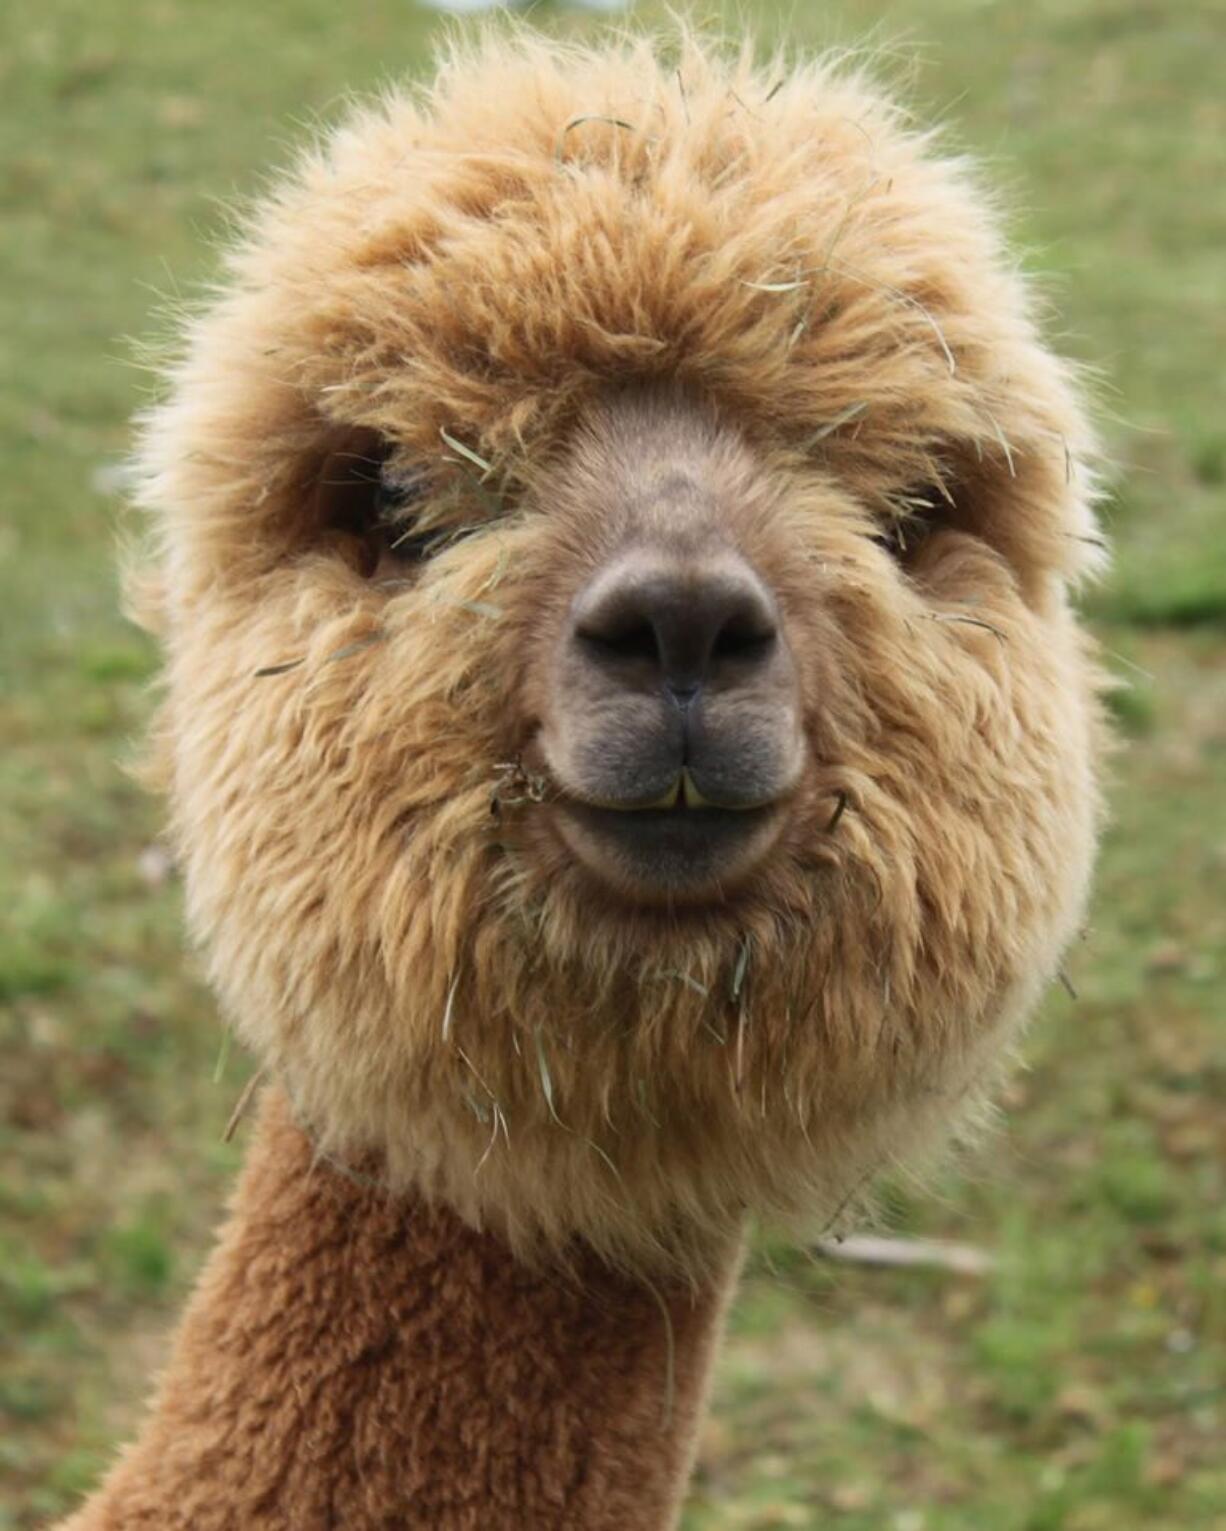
353	1360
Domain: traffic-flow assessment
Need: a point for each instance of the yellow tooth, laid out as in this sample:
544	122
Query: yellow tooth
693	797
668	799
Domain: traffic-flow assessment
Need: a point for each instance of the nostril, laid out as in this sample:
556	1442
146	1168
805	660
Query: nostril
628	640
744	638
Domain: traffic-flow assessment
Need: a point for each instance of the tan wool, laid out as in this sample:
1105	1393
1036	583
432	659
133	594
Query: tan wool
466	279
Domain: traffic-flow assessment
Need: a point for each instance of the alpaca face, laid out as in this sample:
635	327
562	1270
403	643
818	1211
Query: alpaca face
630	749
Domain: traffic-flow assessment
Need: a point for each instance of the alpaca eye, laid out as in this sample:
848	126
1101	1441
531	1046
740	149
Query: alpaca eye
393	525
375	509
890	539
901	536
915	514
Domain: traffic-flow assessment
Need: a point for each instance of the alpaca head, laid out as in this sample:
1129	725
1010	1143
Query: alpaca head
627	740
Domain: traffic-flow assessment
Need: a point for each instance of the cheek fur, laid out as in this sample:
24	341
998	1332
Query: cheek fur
408	961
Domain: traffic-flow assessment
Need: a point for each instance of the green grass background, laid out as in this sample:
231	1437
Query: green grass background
1083	1385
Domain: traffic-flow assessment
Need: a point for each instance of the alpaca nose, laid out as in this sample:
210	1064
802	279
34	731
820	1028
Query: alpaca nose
650	621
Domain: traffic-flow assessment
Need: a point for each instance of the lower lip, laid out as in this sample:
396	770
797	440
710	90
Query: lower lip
669	850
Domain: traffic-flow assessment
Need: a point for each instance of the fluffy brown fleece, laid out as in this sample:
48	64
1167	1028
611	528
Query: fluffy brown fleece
466	276
350	1361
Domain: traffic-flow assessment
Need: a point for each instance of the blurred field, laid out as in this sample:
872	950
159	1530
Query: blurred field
1084	1385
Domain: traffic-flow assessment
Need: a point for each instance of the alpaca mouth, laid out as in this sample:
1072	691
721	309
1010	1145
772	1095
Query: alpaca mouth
683	796
678	847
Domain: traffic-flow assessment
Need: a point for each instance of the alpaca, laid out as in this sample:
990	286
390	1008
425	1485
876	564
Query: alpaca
629	746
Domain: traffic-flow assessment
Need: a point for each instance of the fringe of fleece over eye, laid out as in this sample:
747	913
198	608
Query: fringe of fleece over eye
629	748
